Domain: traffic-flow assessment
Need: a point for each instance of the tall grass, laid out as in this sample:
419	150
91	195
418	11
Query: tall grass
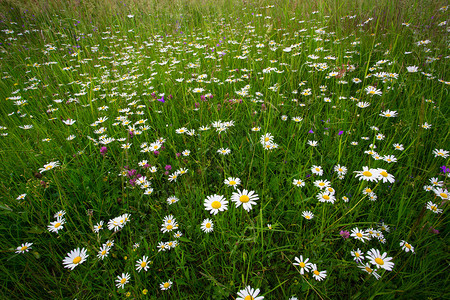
114	67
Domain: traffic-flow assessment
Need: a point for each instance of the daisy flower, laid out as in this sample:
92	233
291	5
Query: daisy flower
49	166
441	152
307	215
317	170
21	197
380	260
359	235
433	207
172	200
75	258
321	184
297	119
385	176
109	243
368	174
24	248
98	227
313	143
319	276
207	226
406	246
166	285
357	255
303	264
341	170
266	139
162	246
256	128
103	252
168	227
224	151
142	264
215	203
177	234
173	177
371	90
390	158
59	214
366	268
56	225
326	197
234	182
122	280
435	181
249	293
246	198
398	147
441	193
181	130
298	182
388	114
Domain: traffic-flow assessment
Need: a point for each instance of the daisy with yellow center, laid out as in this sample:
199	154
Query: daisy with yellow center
56	225
142	264
249	293
246	198
406	246
368	174
207	226
380	260
303	264
24	248
103	252
233	182
75	258
307	215
122	280
166	285
215	203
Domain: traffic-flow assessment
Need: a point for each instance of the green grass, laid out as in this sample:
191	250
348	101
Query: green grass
71	60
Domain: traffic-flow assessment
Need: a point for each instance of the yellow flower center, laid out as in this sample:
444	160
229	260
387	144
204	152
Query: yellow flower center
357	254
23	248
76	260
367	174
330	190
123	280
169	227
308	217
368	190
249	297
321	183
208	225
326	197
302	265
340	170
166	285
317	169
388	115
216	204
244	198
384	173
143	264
408	246
433	207
443	195
369	270
232	182
359	234
316	272
57	225
48	167
266	139
379	261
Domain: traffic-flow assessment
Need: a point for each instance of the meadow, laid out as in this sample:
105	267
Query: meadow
224	149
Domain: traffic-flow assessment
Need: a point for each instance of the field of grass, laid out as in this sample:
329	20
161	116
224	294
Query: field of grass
224	149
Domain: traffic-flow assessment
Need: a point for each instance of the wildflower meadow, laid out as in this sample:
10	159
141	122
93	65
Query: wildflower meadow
226	149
